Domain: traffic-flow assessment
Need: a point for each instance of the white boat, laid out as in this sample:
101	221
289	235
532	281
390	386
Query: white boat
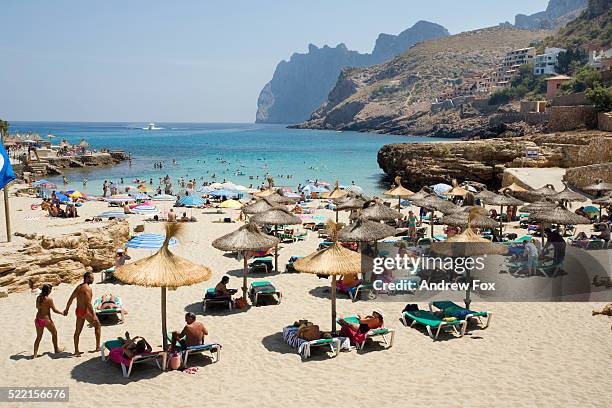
152	126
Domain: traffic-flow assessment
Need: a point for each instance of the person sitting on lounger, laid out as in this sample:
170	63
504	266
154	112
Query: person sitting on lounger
192	334
221	289
356	332
171	216
348	283
184	218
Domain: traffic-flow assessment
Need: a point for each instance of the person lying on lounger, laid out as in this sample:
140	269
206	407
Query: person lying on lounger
109	301
134	346
356	332
192	334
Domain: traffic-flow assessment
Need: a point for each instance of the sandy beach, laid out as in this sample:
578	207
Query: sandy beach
533	354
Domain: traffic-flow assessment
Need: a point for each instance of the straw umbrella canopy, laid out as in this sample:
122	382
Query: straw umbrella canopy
379	212
333	261
558	215
83	143
483	194
246	238
335	194
277	198
460	219
603	202
513	188
276	216
419	195
456	190
501	200
568	195
538	206
258	206
399	191
433	202
351	203
545	191
163	269
364	230
468	244
599	187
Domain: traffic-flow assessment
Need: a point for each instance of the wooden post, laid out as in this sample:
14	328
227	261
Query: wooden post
7	214
276	250
163	315
431	222
333	303
501	227
468	279
244	277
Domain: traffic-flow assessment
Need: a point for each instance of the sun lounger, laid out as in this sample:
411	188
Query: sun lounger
304	347
452	309
262	264
211	299
261	289
431	321
213	348
108	273
128	364
118	311
382	332
289	267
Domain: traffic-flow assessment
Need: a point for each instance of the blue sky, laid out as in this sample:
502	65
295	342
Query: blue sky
188	61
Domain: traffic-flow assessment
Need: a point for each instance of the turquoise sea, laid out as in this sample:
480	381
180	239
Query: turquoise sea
231	152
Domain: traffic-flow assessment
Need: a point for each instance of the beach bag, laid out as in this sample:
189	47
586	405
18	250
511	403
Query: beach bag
175	361
309	332
240	303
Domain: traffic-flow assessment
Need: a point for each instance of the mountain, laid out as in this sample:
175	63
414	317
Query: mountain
591	30
388	96
300	85
557	14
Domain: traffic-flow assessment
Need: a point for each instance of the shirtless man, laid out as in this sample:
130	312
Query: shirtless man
192	335
84	311
171	216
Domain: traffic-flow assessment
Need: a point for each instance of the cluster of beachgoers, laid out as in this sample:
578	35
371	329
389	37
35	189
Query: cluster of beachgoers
266	238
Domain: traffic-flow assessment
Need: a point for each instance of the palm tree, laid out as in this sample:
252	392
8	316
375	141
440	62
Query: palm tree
4	126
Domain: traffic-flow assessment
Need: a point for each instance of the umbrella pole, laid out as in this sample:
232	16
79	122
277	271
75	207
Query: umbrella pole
276	250
336	215
163	316
333	303
431	222
501	226
245	271
468	279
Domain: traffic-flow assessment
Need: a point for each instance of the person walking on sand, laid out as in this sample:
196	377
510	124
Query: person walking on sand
44	306
84	311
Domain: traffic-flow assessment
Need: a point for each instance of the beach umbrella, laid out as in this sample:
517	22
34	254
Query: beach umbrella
461	219
484	193
354	189
558	215
350	203
276	216
149	241
83	143
603	202
163	197
62	198
228	185
44	184
259	206
399	191
231	204
502	201
311	188
246	238
112	214
75	194
441	189
241	188
364	230
144	209
545	191
599	186
335	194
277	198
538	206
468	244
589	209
568	195
224	193
433	202
379	212
335	260
456	191
419	195
163	269
513	188
143	188
140	196
205	189
216	186
191	201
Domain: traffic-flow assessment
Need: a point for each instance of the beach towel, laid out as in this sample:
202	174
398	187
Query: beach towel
303	346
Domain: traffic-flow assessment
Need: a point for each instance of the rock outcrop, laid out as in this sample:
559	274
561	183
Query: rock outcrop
557	14
300	85
61	259
484	161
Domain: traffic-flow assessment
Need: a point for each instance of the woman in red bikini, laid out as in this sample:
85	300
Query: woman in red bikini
44	306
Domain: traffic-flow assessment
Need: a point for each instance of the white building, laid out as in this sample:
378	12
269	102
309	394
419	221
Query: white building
544	64
510	65
600	59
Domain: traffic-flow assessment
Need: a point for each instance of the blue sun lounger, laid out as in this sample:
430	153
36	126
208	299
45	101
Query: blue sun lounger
452	309
431	321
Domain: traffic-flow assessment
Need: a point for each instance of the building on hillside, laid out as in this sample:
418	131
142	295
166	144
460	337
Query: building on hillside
544	64
602	60
553	85
510	65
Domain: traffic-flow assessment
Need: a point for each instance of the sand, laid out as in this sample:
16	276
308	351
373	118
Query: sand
533	354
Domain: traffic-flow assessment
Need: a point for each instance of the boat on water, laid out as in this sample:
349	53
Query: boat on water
151	126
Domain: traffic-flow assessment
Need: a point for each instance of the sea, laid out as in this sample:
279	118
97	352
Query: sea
241	153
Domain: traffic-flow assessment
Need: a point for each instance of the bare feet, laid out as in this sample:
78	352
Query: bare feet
35	356
97	350
77	353
59	350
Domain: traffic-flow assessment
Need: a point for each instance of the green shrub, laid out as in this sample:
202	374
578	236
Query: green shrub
601	97
504	95
585	78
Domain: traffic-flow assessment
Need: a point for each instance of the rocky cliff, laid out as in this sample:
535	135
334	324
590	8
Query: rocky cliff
557	14
61	259
300	85
386	97
484	161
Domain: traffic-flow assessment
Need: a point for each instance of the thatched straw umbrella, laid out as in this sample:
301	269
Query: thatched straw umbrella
335	194
83	143
334	260
278	198
558	215
433	202
513	188
246	238
351	203
400	192
259	206
456	190
163	269
603	202
468	244
501	200
483	194
276	216
378	212
547	190
421	194
364	230
568	195
538	206
599	187
460	219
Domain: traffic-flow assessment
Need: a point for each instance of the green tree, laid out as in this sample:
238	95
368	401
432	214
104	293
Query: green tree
570	60
4	126
501	96
601	97
585	78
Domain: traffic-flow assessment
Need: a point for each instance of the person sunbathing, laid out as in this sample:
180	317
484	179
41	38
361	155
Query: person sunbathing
348	283
221	289
132	347
110	301
193	334
356	332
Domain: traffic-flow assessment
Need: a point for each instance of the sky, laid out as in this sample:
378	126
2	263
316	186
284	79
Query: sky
189	61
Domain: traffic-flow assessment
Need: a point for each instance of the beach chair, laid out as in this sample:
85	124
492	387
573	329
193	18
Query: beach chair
380	332
211	299
431	321
261	289
128	364
118	311
262	264
286	237
451	309
213	348
289	266
304	347
107	274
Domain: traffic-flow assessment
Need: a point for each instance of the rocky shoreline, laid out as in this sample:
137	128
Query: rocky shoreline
54	166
